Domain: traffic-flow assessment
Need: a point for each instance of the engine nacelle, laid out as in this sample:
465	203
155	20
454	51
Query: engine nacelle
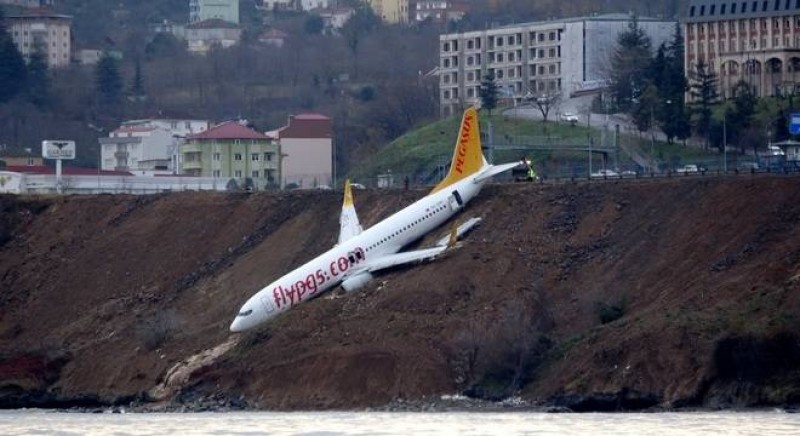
356	282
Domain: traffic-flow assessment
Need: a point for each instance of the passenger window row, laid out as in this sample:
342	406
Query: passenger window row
408	227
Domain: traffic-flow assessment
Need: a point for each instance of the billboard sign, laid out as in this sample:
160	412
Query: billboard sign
57	149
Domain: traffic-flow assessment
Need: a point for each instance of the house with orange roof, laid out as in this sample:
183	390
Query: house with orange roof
233	150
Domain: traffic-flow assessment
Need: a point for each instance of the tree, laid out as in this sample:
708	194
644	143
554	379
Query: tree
12	66
488	92
739	119
108	82
546	103
629	64
358	26
672	114
137	92
314	25
704	96
38	86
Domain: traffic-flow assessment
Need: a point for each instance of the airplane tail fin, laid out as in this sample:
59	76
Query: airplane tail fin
467	158
348	220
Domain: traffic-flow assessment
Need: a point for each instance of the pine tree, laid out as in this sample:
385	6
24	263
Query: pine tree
629	65
673	115
12	65
108	82
704	96
137	92
488	92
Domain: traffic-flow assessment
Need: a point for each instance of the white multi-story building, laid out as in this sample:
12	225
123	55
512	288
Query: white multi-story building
201	10
203	35
538	58
39	29
147	147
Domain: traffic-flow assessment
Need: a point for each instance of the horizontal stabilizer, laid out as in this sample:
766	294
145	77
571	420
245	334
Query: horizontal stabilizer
495	170
462	229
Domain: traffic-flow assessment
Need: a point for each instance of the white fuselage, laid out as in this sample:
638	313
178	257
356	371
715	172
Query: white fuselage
330	268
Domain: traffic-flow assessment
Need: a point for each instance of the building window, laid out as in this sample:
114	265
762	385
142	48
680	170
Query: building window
541	37
268	157
216	173
254	174
237	156
254	157
217	156
552	36
237	174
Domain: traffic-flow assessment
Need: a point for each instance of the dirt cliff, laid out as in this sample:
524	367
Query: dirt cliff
607	296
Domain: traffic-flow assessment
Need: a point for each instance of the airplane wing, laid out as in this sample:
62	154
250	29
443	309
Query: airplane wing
405	257
396	259
348	220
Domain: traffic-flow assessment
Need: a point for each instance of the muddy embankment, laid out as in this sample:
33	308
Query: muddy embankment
607	296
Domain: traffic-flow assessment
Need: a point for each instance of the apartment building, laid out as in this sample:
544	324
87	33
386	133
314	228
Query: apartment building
537	58
201	10
233	150
306	144
439	10
391	11
39	29
755	41
147	147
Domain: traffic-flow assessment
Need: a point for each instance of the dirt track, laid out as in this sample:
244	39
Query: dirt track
598	297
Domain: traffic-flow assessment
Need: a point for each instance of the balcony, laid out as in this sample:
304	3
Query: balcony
193	165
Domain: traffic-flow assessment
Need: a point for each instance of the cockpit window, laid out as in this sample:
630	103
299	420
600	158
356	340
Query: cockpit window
245	313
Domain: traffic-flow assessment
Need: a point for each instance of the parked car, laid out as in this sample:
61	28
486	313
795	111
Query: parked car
358	186
628	173
688	169
569	117
604	174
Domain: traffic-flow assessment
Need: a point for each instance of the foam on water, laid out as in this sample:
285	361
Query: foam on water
38	422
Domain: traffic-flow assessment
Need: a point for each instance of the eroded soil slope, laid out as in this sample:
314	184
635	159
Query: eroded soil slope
618	295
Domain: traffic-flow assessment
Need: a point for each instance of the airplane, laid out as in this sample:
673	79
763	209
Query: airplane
359	253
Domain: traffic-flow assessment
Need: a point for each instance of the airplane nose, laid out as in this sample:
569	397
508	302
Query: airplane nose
236	326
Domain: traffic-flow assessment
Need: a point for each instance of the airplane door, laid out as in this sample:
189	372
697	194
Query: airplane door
267	302
456	201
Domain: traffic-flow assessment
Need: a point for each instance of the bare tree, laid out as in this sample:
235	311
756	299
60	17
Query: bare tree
546	102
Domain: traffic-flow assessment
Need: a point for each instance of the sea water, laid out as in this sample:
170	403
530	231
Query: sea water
39	422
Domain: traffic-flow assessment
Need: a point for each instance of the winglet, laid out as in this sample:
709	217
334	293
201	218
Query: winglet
348	220
467	157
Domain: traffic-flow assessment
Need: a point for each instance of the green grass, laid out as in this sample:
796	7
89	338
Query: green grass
420	152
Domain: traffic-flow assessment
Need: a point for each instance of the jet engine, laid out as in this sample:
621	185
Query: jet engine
356	282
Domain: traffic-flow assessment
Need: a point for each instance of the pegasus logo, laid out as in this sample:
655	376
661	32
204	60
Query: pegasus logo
463	141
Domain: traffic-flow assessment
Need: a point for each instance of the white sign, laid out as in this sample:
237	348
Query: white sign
55	149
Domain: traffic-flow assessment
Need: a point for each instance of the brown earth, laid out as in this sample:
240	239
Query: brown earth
607	296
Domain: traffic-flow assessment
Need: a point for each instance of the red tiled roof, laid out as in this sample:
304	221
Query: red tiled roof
229	130
67	171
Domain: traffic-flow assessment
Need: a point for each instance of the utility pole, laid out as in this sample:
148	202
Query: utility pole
725	141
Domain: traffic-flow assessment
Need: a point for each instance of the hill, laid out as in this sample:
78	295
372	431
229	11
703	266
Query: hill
606	296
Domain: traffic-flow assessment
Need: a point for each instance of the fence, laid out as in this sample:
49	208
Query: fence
16	183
